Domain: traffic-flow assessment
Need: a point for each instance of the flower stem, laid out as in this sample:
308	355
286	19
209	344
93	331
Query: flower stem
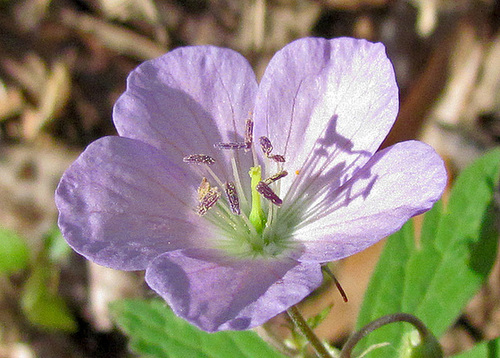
382	321
304	328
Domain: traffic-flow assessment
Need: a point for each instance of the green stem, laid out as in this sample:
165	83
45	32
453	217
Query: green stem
382	321
304	328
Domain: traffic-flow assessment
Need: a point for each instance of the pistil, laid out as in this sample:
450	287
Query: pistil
257	216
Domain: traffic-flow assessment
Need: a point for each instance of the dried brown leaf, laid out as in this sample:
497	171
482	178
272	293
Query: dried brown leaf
11	102
30	75
125	10
113	37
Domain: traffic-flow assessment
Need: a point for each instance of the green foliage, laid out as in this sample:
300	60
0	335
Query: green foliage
40	301
315	321
434	277
42	306
56	247
155	331
14	254
490	349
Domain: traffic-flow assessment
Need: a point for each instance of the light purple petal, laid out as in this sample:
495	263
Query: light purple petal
188	100
326	105
215	292
122	203
397	183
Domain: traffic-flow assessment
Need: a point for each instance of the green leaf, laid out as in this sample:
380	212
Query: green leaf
57	249
383	295
42	307
316	320
155	331
490	349
465	246
14	253
434	277
40	301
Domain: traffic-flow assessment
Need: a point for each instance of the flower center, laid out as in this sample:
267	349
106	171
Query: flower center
246	225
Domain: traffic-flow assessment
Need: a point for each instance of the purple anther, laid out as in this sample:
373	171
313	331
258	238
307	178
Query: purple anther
231	145
277	158
208	201
199	159
276	176
248	133
268	193
232	198
266	145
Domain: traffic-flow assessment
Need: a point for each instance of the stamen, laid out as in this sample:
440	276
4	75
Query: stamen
268	181
208	201
199	159
232	197
216	178
237	180
275	177
248	133
267	148
203	189
266	145
264	189
277	158
247	144
231	145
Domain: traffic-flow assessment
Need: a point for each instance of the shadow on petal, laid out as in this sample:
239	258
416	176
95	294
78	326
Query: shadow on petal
326	164
324	176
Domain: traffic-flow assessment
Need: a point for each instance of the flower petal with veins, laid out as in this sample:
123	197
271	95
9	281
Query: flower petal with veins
247	292
325	106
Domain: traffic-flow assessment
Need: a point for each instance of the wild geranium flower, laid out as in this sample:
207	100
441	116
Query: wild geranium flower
231	194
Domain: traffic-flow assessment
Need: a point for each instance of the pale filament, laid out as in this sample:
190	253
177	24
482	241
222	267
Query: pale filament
237	182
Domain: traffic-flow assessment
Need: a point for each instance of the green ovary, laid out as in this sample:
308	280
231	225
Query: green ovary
257	216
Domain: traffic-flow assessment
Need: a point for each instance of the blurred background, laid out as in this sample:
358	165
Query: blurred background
63	64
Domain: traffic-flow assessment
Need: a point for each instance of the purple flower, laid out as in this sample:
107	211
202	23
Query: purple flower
232	194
